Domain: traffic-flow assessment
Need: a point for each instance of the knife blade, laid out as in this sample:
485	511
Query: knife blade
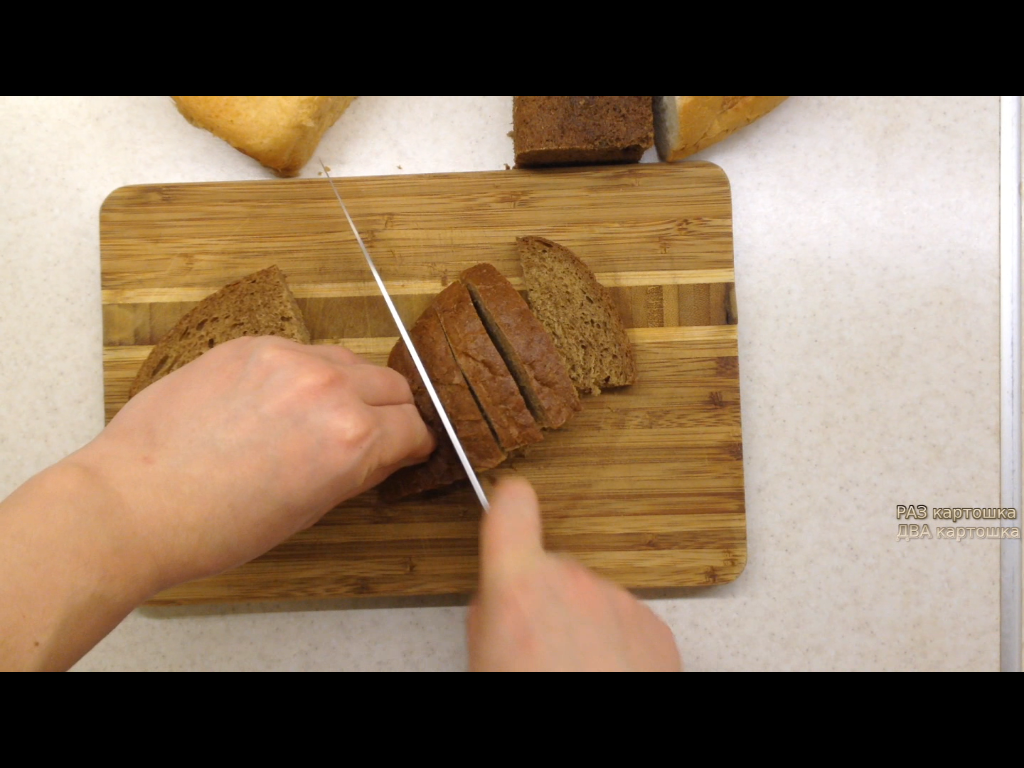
427	384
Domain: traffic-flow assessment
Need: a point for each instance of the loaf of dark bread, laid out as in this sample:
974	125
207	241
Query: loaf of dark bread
573	130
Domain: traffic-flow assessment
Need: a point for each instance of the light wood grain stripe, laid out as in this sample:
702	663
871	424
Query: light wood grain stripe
367	316
701	341
158	295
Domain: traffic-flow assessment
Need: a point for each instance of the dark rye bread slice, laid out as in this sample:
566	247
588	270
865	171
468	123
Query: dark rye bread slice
579	314
567	130
260	304
524	344
443	466
495	390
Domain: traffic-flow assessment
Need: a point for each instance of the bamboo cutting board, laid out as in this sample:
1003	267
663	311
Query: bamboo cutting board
645	485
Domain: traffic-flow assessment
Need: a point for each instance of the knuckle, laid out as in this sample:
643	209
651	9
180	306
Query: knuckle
411	414
401	385
318	379
309	377
268	351
355	427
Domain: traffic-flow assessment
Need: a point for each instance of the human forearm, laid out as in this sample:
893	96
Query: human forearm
204	470
70	570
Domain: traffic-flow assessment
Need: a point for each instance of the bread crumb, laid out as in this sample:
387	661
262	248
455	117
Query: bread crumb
508	167
398	167
511	134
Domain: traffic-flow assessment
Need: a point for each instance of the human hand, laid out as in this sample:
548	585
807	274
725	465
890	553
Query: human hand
256	440
545	612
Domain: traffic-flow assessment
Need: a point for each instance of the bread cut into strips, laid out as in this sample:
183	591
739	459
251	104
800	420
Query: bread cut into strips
443	466
579	314
260	304
524	344
486	373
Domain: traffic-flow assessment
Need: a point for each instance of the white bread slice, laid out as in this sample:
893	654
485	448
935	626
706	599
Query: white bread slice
684	125
282	132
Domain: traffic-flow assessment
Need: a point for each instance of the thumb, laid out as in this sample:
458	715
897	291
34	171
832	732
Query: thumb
510	533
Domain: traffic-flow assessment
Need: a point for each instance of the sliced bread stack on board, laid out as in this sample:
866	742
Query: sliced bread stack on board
504	371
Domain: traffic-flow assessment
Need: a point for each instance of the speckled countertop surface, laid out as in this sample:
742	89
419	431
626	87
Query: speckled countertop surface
866	235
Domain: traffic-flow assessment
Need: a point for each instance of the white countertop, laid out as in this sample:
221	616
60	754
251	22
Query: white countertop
866	235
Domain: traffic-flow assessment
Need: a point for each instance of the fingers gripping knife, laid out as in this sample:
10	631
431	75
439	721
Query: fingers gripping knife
470	473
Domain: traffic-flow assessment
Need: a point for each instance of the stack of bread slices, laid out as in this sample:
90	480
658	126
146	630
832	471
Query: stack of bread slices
503	371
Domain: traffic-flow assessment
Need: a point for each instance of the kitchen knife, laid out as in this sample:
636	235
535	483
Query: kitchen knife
470	473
